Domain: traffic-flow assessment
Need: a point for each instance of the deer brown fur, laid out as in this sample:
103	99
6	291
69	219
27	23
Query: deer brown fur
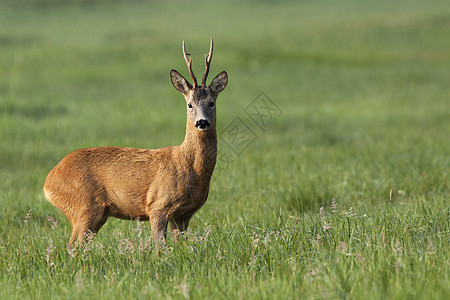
166	185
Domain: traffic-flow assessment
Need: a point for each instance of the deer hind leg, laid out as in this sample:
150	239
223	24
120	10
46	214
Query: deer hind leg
88	224
86	212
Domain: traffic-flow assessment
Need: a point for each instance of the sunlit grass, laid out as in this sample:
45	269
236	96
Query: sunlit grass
324	253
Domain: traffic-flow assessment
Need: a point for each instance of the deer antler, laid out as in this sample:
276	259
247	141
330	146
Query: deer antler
188	62
208	58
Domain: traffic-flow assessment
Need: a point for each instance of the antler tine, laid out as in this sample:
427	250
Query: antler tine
208	58
189	65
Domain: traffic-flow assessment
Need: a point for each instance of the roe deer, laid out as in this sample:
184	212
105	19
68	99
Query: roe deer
166	185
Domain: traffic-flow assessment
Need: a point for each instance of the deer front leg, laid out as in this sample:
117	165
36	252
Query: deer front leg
177	226
158	222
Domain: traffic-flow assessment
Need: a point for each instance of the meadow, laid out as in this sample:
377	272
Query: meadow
332	174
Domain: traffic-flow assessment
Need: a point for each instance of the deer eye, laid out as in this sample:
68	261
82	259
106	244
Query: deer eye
190	105
211	104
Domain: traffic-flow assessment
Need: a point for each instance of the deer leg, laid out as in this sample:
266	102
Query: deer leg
159	228
91	224
178	226
74	236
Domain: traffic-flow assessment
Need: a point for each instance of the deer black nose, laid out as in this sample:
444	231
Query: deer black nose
202	124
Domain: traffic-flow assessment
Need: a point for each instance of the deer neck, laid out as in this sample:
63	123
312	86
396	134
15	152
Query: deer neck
199	150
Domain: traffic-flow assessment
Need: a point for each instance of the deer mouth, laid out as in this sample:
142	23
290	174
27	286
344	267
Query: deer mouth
202	125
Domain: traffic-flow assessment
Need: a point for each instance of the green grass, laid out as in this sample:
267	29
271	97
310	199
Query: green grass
364	97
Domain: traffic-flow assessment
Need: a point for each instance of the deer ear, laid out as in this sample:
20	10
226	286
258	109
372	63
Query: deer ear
219	83
181	84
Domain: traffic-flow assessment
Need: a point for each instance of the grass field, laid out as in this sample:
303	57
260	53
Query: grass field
338	189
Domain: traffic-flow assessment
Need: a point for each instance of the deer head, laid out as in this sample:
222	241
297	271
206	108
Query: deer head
200	100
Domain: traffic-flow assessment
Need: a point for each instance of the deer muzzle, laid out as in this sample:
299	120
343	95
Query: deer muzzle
202	124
